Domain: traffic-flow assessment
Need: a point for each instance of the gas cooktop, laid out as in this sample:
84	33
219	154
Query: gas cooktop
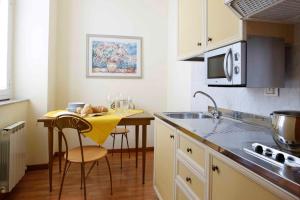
273	156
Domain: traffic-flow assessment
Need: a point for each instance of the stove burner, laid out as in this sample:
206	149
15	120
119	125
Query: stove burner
268	152
280	158
259	149
273	156
291	159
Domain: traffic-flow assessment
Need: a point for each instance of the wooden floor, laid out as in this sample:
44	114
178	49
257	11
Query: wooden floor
127	182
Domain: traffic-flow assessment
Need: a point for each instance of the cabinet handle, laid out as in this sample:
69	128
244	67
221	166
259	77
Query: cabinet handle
172	136
215	168
199	44
188	179
189	150
209	39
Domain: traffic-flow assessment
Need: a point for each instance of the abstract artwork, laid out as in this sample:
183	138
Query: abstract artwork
114	56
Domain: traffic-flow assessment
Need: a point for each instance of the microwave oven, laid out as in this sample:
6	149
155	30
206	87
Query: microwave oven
227	65
259	62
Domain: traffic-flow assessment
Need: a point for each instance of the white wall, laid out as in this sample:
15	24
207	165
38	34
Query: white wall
30	61
252	100
179	73
52	55
145	18
11	113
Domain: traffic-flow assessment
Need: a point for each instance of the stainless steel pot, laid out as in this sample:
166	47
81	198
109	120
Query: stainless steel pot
286	129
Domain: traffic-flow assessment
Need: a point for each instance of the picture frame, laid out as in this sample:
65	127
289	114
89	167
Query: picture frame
111	56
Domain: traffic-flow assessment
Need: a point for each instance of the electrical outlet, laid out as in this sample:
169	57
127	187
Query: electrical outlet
272	92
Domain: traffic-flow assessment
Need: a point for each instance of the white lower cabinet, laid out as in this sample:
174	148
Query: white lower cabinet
185	169
181	192
191	180
164	159
229	184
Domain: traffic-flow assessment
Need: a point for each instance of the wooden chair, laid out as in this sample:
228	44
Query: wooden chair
82	154
123	132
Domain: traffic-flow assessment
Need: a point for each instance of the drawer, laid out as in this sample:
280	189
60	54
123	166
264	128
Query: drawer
192	150
180	195
191	180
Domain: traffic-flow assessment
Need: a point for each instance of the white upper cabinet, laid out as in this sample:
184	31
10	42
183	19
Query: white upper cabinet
203	25
191	39
222	25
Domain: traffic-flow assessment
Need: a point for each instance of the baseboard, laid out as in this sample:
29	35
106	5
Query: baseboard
116	150
130	149
36	167
56	154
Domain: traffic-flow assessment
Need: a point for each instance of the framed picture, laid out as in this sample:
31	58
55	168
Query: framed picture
114	56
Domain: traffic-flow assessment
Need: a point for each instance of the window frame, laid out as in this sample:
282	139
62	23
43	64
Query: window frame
7	93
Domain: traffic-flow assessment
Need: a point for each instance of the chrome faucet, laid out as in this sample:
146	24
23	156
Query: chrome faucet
215	112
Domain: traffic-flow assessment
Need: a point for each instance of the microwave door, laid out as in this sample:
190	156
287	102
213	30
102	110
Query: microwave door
218	69
228	65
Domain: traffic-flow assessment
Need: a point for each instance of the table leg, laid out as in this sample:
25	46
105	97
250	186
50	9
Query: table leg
137	128
59	150
50	154
144	143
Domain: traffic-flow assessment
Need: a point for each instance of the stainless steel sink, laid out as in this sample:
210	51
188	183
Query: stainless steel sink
187	115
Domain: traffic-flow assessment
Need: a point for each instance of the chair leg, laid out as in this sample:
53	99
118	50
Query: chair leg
109	174
68	167
63	179
92	166
112	152
122	151
127	144
83	179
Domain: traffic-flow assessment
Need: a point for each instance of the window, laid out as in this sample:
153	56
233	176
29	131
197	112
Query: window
5	24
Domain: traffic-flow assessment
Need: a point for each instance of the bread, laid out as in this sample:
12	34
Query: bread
78	110
99	109
87	109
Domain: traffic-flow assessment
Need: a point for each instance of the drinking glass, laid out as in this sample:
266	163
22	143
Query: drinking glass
110	101
125	105
131	105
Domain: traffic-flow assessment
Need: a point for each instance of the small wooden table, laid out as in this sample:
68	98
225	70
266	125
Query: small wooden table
142	119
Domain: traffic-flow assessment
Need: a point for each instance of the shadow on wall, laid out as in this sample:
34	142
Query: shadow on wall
293	67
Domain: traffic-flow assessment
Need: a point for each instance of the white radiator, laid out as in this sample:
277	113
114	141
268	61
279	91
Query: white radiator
12	156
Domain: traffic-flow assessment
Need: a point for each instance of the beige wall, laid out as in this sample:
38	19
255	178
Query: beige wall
30	61
11	113
145	18
179	73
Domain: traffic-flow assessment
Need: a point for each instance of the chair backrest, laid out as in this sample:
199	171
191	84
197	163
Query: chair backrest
69	121
73	122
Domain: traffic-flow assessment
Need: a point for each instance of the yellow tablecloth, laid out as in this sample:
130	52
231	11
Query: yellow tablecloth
102	125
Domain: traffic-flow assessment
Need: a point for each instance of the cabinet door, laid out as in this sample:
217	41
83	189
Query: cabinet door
164	160
190	28
229	184
180	195
223	26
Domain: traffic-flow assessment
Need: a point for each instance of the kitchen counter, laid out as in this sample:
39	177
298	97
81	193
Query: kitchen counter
230	137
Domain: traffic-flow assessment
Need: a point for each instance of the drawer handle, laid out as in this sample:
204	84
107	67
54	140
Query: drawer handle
172	136
189	150
209	39
199	44
215	168
188	179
